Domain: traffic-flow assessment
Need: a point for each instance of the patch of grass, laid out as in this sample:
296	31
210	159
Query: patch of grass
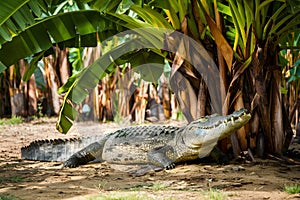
101	186
214	194
11	179
159	186
10	165
7	197
122	196
39	110
16	179
138	186
129	197
11	121
292	189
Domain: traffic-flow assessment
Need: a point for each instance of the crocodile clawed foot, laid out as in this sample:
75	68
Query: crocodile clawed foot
170	166
71	163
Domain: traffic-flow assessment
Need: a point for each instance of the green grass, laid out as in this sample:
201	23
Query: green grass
152	186
159	186
124	196
14	179
214	194
211	194
11	121
7	197
292	189
152	191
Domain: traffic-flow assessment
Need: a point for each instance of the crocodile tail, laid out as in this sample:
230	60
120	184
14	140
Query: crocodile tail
56	149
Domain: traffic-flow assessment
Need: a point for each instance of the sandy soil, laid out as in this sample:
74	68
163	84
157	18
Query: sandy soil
20	179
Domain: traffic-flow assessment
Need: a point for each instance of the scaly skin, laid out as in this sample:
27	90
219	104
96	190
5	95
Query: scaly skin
159	147
162	147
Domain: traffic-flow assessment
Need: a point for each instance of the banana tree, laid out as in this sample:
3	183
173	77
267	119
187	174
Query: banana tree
31	28
137	51
74	31
245	33
259	27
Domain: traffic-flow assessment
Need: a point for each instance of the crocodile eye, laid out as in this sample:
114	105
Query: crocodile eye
203	119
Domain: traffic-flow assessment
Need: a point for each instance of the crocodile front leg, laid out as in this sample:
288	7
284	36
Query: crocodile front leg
89	153
160	156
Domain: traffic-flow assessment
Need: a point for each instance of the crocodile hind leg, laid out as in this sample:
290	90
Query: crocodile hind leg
87	154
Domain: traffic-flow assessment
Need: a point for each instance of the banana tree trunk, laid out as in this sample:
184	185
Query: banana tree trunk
64	70
17	91
141	97
32	96
4	95
53	105
90	55
268	97
166	99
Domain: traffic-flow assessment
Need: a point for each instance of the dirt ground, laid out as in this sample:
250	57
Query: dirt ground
21	179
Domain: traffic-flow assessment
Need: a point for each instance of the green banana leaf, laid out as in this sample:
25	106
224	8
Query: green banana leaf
77	86
55	29
16	15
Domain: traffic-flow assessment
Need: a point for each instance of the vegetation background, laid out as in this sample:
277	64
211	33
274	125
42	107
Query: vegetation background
48	46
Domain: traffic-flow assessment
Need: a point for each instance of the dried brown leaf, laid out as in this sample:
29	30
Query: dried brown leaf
221	42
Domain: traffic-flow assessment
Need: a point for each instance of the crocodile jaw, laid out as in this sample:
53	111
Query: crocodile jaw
208	130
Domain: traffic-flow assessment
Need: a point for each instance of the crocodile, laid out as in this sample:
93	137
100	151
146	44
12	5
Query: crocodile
151	147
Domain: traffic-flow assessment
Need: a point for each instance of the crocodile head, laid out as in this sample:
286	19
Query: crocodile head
206	131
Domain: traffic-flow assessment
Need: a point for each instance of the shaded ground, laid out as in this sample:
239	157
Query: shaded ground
21	179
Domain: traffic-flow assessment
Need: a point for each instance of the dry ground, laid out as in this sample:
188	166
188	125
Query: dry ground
20	179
